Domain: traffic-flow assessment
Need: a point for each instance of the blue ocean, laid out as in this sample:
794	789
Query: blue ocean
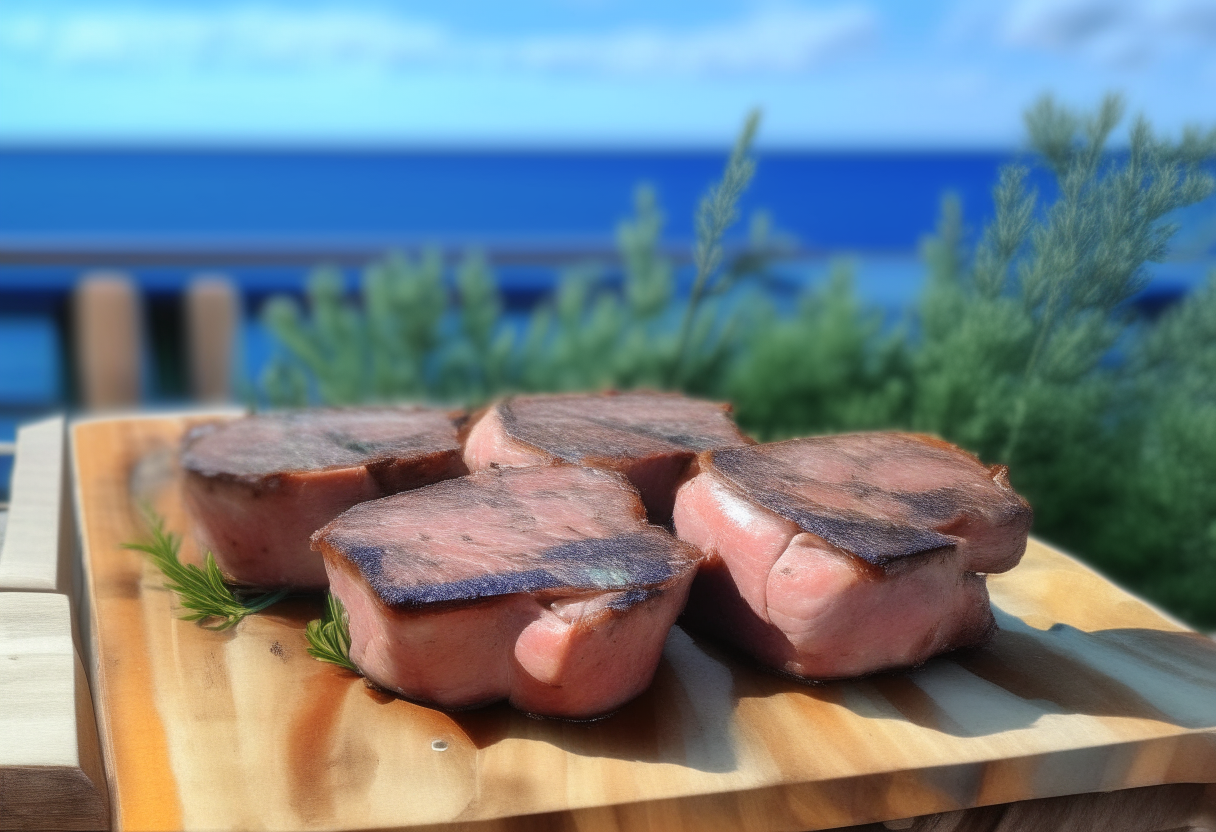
61	207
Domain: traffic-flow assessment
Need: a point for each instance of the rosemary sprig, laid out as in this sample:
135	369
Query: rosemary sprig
329	636
202	591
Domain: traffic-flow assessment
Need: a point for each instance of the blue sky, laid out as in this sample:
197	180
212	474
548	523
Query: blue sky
854	73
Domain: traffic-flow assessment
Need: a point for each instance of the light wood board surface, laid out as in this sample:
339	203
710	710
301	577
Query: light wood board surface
50	762
50	765
1085	689
35	554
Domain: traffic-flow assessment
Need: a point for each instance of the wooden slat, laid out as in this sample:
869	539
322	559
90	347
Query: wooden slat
36	553
50	763
1085	689
107	338
212	315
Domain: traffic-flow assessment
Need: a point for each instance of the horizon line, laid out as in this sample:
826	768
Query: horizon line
510	146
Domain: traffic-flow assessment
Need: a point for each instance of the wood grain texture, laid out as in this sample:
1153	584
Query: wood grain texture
50	763
1171	808
37	545
1085	689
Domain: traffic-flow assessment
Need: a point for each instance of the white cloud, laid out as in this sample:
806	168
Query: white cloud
152	38
1116	32
780	39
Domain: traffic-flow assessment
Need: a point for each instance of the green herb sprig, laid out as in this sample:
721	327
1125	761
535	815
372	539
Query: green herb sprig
329	636
201	591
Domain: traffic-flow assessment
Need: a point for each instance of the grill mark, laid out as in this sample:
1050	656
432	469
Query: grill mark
617	438
297	442
636	562
873	538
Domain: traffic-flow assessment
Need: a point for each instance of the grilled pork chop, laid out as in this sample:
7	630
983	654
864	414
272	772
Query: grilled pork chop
544	586
259	486
838	556
649	437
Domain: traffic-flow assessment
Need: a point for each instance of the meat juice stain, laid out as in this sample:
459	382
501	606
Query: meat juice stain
310	745
482	727
629	733
486	726
378	695
296	611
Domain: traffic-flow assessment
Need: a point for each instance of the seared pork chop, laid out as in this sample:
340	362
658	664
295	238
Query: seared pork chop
259	486
544	586
648	437
838	556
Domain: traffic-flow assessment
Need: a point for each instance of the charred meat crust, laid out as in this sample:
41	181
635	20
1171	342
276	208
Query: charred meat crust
546	592
927	518
390	474
426	437
406	570
528	419
634	563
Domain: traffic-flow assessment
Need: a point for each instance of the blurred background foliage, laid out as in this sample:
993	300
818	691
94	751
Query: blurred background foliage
1021	347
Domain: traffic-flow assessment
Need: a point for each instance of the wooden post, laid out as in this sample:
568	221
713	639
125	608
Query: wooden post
108	338
212	317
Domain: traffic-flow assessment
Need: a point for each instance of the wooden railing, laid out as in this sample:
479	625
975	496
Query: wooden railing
107	340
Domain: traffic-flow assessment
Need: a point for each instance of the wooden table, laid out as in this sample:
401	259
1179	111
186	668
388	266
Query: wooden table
1089	711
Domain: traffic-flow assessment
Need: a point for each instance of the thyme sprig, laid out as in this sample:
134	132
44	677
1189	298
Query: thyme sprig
202	591
329	636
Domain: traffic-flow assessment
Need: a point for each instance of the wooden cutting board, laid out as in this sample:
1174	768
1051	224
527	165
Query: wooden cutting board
1085	689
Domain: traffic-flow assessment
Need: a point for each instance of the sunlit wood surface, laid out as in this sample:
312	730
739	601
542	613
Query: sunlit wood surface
50	765
1085	689
36	547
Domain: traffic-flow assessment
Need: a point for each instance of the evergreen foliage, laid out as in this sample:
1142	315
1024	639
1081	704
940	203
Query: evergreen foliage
1021	348
1158	532
829	367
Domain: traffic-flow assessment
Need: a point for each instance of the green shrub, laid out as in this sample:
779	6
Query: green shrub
829	367
1158	534
1016	358
1021	348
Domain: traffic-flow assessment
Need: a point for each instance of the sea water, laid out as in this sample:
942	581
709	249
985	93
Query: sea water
873	208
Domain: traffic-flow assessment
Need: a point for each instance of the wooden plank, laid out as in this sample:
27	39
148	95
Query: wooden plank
37	548
108	335
1172	808
1086	689
50	762
212	314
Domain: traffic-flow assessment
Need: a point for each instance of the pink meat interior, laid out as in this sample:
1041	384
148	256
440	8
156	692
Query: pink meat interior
499	532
